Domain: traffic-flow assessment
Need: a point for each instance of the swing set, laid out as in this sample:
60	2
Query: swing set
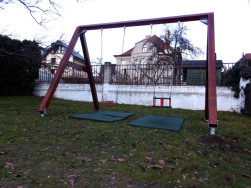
80	31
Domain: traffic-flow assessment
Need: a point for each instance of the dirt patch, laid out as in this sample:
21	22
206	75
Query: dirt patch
214	141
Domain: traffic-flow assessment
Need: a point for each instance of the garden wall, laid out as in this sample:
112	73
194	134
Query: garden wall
184	97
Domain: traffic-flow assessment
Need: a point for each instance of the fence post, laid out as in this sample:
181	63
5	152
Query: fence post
107	72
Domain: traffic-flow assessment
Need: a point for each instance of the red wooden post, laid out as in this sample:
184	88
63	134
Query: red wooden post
54	84
170	103
206	92
211	94
89	71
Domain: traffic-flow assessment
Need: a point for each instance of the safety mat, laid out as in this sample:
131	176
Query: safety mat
105	116
159	122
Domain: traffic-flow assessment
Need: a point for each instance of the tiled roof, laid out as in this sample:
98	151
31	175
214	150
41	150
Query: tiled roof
159	42
60	43
248	56
199	64
153	39
127	53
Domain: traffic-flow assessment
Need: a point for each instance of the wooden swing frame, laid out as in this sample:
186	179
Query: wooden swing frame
210	98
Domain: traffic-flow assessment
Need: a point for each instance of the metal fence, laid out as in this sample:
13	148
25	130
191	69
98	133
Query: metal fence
71	75
143	74
161	74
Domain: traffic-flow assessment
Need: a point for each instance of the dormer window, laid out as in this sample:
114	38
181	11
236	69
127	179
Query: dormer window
63	50
144	48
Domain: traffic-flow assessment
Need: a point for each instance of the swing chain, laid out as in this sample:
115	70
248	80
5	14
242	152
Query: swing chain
101	55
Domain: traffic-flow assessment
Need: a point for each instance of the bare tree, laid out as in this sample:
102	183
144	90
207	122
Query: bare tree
39	10
182	46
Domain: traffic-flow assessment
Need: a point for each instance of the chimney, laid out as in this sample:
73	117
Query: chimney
167	35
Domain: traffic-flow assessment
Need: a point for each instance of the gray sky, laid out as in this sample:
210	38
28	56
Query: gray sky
232	24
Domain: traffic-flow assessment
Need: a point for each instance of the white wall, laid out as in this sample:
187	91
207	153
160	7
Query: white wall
184	97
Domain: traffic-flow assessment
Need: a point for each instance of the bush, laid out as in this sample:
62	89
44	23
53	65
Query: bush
19	64
233	76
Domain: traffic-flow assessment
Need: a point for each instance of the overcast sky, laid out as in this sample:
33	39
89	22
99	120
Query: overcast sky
232	24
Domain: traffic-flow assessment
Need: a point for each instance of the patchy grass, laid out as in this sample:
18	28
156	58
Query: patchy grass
56	151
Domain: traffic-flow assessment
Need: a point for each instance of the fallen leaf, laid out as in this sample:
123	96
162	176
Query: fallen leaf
104	145
226	180
108	171
245	176
152	182
85	159
134	145
72	181
184	176
199	152
216	163
182	169
9	165
121	160
247	151
143	170
170	171
114	158
228	160
202	180
44	149
103	160
162	162
11	140
3	153
149	160
155	167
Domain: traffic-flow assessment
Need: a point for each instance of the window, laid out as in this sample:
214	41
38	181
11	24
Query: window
144	49
136	80
143	61
53	61
123	65
63	50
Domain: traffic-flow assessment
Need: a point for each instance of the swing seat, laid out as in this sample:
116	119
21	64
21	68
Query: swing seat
108	102
103	116
162	102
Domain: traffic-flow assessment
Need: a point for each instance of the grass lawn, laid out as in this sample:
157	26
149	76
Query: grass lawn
56	151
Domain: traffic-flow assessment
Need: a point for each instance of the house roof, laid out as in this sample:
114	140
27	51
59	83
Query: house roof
153	39
199	64
55	45
248	56
159	42
127	53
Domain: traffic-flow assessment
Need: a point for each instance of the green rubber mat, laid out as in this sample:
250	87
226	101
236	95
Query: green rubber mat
116	114
105	116
159	122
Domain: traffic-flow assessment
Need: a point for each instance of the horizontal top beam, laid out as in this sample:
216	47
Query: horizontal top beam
164	20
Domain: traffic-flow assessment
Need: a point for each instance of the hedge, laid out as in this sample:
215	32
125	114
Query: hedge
19	66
